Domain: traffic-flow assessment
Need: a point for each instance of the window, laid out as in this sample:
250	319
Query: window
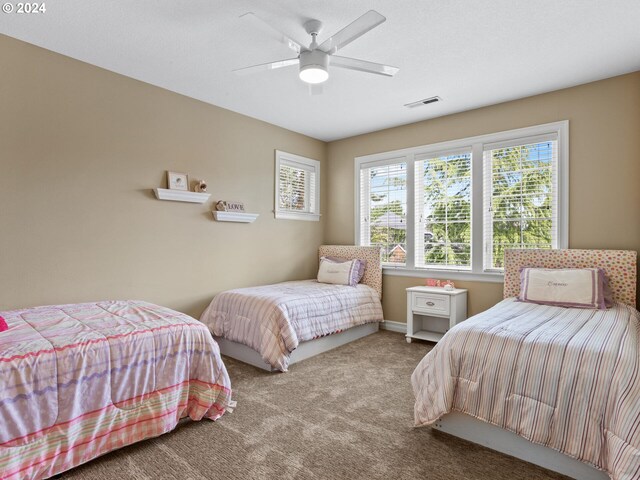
297	187
520	200
443	210
383	199
451	209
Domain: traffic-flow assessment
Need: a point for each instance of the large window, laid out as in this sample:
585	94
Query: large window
456	206
297	187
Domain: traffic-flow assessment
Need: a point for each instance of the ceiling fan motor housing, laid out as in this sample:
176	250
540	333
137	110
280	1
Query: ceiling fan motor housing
314	60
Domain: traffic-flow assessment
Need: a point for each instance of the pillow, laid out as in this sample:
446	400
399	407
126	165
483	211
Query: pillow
363	265
342	273
3	325
579	287
606	289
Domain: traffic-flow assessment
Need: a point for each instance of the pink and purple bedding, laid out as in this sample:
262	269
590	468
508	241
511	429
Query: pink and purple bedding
565	378
77	381
273	319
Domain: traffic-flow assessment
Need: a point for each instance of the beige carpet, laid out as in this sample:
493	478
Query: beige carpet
345	414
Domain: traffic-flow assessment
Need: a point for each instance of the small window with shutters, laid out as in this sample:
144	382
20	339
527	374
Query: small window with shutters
297	187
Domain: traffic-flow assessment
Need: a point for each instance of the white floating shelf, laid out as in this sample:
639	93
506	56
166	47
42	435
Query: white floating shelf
235	217
180	195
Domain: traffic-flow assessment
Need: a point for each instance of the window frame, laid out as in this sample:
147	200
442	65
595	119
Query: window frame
297	161
476	145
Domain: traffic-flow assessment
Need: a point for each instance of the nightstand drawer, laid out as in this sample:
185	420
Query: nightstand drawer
433	304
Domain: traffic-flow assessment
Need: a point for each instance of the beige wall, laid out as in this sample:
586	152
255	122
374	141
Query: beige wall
81	148
604	133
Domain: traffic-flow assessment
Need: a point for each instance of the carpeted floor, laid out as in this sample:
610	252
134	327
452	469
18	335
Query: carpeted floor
345	414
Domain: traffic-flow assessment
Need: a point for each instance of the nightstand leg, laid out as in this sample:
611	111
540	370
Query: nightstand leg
408	339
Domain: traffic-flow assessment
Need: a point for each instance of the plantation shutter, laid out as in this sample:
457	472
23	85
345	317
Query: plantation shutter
383	209
443	210
296	187
521	196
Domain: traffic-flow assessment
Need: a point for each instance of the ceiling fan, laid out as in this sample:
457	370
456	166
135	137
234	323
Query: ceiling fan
315	59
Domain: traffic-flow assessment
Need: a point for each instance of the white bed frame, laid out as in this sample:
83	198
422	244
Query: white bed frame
305	350
504	441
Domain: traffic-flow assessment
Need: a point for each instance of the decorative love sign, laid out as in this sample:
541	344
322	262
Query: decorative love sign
235	207
230	206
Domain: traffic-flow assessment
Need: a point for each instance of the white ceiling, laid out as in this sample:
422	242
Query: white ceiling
470	53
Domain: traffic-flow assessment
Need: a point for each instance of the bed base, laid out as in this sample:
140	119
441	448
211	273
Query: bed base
305	350
488	435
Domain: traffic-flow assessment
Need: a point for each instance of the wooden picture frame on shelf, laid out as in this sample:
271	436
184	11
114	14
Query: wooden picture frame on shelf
177	181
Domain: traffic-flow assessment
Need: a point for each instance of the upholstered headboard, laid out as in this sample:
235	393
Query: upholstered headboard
373	271
619	265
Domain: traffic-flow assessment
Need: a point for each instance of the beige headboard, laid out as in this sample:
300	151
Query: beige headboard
619	265
373	272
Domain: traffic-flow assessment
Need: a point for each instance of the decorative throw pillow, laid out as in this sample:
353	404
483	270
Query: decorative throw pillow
3	325
606	289
338	273
361	269
575	287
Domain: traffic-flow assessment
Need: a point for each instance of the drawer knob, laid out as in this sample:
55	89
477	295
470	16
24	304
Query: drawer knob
431	304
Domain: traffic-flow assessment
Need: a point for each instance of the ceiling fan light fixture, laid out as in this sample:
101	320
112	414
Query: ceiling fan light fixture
314	66
313	74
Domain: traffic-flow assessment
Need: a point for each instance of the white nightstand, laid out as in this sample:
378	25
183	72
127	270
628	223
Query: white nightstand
431	311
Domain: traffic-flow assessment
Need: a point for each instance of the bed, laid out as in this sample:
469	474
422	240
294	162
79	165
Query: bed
77	381
556	386
274	326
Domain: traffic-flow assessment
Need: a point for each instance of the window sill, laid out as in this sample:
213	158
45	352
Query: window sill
443	274
310	217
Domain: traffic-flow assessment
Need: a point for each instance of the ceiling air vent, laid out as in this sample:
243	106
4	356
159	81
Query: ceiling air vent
425	101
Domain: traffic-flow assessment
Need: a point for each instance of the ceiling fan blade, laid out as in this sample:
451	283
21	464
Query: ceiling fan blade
362	66
354	30
267	66
286	39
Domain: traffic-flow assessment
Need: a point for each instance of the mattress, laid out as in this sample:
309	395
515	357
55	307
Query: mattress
274	319
565	378
77	381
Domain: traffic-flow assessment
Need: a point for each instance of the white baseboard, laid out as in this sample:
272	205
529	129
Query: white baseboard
394	326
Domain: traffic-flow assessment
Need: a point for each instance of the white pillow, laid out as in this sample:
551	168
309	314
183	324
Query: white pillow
337	273
575	287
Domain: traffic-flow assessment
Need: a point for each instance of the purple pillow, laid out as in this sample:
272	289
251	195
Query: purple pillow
361	268
358	271
606	289
3	325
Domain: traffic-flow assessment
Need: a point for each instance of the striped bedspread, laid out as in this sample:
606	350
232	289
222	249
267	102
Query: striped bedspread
565	378
273	319
77	381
